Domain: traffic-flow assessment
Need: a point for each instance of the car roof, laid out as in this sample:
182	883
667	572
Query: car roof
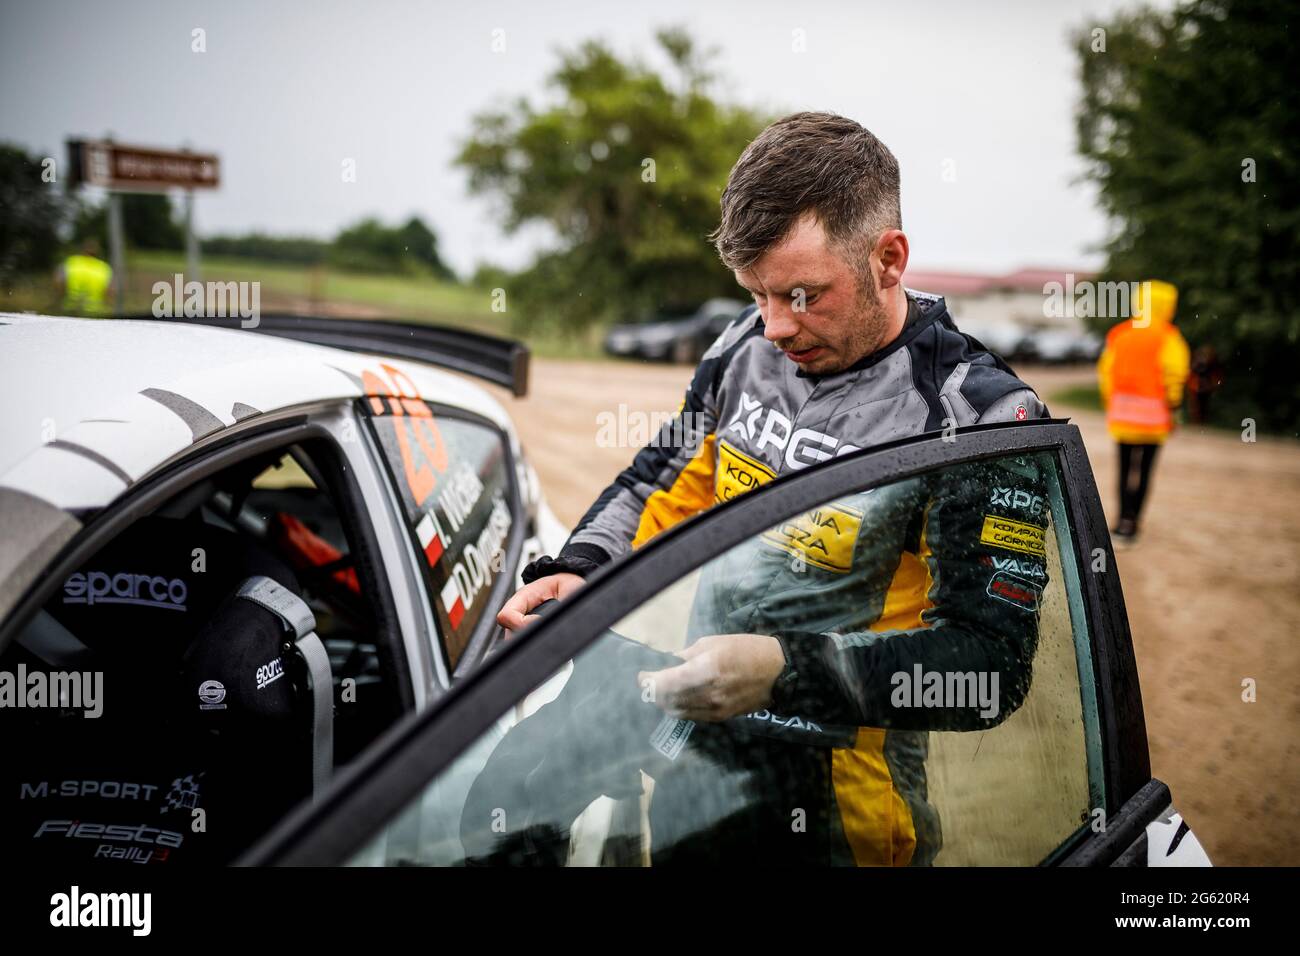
89	406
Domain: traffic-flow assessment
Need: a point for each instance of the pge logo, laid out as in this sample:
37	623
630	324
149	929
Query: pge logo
1015	498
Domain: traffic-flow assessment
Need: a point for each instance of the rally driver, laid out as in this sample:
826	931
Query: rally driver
816	617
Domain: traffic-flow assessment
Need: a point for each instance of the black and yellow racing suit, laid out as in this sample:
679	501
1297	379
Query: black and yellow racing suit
940	574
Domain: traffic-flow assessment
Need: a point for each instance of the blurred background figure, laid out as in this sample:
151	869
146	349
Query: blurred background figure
1142	371
85	280
1206	377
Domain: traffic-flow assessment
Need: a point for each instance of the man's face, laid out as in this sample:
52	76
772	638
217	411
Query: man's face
842	320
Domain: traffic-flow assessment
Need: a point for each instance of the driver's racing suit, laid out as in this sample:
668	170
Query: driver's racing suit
940	573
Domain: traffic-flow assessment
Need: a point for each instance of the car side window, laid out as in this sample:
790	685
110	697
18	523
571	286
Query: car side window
938	708
451	474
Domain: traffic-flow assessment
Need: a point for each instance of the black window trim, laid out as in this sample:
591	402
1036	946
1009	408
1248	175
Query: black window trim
1117	842
382	782
486	631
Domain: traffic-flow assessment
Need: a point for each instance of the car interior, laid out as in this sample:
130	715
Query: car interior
217	622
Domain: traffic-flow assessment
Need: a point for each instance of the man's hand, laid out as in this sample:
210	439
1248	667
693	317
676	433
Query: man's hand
514	614
724	675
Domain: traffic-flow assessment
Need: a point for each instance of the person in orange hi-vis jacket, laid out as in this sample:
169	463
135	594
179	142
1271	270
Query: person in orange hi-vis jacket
1142	372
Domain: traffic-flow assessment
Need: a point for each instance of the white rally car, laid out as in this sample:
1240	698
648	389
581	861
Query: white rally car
374	510
247	596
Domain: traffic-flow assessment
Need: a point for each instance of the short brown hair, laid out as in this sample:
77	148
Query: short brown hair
818	162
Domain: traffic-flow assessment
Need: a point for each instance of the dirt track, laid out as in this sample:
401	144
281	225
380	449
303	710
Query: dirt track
1213	590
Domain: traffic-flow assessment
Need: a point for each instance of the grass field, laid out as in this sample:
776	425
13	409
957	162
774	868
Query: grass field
1085	396
318	290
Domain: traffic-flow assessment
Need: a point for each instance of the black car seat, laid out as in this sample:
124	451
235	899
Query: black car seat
216	696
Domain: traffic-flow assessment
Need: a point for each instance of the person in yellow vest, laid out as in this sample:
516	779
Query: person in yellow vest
1142	372
85	280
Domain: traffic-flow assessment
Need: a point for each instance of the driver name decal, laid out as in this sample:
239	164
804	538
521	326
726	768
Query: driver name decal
473	570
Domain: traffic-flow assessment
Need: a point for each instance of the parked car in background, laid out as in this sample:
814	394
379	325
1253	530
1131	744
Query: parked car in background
674	336
1017	343
1006	340
1062	346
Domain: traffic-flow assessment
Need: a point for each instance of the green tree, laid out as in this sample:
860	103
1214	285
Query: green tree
1189	122
364	247
302	250
370	246
626	169
148	223
31	214
419	243
90	221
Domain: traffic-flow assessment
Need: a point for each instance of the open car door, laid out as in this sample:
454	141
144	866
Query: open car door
961	690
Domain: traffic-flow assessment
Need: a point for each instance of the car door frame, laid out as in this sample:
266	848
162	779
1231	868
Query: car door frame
383	781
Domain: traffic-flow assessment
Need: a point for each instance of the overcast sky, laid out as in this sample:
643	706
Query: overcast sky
286	91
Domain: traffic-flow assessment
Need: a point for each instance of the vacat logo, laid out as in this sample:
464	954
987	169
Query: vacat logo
762	426
1022	567
144	590
1015	498
269	673
212	694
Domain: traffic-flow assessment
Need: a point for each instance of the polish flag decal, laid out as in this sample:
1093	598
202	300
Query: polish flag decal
452	602
430	539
